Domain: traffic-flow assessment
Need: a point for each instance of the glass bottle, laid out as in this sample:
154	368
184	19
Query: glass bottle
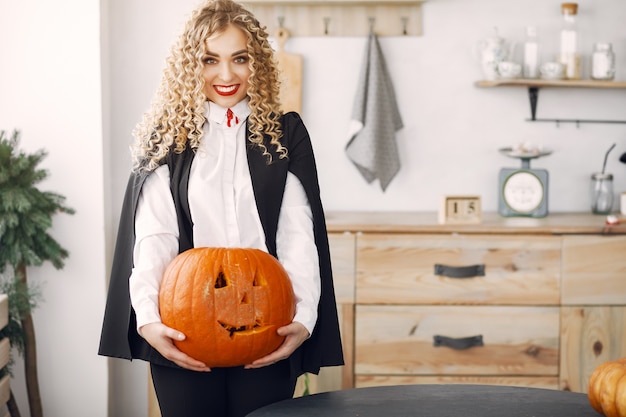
601	193
531	53
603	62
569	55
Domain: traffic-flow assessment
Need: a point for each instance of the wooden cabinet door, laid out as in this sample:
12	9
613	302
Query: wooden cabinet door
590	335
403	269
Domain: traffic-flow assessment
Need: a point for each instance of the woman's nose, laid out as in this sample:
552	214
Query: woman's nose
226	72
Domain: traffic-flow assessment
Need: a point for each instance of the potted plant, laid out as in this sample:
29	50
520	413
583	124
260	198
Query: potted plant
25	217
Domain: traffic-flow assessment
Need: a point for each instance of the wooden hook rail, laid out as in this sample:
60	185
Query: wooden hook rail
340	17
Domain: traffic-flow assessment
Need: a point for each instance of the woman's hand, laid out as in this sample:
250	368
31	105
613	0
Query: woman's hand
162	339
295	334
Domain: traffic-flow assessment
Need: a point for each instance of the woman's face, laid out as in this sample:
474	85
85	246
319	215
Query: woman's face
226	70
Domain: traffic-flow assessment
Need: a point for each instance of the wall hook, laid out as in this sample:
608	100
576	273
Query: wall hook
372	21
281	22
405	22
326	23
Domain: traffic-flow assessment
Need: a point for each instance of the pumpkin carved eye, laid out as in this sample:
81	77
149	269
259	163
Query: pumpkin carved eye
228	302
220	281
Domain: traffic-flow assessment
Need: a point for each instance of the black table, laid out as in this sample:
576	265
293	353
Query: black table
449	400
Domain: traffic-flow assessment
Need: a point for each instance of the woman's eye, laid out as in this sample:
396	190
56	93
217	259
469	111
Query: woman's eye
241	59
209	60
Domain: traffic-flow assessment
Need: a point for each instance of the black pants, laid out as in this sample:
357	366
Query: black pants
223	392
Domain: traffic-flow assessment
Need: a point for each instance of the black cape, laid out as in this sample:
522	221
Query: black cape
119	337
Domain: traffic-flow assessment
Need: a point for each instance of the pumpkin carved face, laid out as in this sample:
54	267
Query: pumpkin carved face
229	302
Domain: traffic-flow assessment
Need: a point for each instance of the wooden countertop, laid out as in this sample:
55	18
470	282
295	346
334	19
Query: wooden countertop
426	222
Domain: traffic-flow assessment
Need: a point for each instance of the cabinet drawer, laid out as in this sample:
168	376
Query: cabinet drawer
594	270
401	269
398	340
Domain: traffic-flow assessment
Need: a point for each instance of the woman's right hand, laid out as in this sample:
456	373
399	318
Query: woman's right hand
162	339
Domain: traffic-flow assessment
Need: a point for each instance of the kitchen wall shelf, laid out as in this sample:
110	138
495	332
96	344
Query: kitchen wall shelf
533	94
340	17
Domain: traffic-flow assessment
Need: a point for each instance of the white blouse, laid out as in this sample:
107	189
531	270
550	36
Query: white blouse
224	214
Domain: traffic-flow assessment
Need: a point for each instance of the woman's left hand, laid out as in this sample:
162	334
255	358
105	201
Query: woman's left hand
295	334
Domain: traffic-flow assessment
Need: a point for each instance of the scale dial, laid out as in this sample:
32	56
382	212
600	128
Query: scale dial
523	192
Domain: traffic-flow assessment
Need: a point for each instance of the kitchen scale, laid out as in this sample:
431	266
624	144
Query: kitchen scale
523	192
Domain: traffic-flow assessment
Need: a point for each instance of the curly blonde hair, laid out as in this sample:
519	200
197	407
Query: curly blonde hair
176	116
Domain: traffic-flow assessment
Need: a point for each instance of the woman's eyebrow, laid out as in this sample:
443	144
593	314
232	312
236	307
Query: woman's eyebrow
243	51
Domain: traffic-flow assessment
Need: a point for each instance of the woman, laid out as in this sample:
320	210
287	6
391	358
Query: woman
216	163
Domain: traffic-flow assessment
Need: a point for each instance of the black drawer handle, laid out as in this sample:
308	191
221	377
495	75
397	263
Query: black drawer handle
460	271
459	343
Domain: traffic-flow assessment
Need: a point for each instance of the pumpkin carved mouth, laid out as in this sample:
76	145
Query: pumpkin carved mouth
239	329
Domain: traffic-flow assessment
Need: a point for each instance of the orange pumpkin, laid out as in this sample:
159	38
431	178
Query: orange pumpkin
228	302
607	388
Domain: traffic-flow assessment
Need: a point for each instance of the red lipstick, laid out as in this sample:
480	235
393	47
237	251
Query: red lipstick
225	91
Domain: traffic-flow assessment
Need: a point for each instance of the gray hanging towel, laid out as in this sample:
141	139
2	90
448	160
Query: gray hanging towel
375	119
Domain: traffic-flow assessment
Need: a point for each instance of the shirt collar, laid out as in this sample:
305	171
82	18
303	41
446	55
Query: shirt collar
217	114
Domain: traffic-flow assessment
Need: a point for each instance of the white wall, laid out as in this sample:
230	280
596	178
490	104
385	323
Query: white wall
452	129
50	90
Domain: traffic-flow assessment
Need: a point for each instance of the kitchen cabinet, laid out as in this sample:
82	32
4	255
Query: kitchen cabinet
533	86
543	304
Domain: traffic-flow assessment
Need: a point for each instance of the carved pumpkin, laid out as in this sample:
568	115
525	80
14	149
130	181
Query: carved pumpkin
607	388
228	302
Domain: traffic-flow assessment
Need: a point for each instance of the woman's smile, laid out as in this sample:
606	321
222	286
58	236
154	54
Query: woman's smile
223	90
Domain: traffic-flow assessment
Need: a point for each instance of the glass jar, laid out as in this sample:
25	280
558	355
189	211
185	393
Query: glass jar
531	53
603	62
569	54
601	193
